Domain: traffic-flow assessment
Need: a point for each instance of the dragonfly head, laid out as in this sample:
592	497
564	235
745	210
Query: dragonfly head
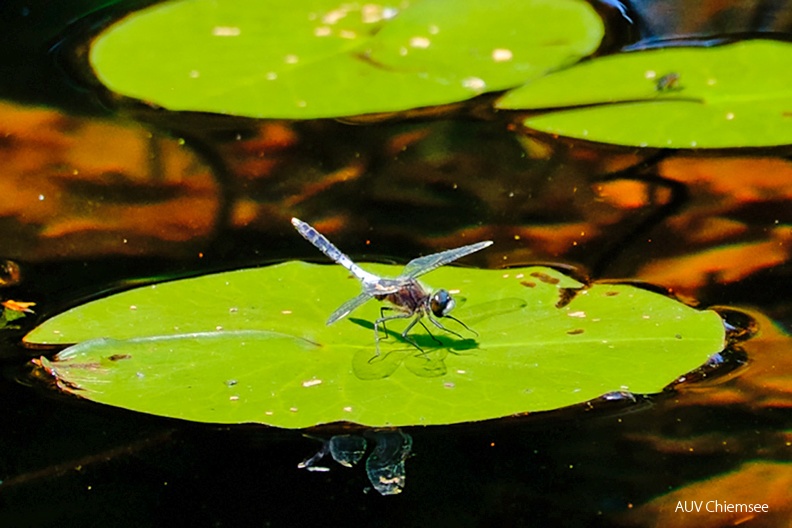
441	303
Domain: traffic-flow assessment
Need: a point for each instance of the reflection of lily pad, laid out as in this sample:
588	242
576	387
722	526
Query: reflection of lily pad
736	95
321	58
252	346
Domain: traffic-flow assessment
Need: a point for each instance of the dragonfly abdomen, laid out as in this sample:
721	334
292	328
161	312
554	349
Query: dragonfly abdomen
325	246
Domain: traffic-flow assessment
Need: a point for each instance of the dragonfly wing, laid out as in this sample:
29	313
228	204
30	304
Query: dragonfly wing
346	308
421	265
383	287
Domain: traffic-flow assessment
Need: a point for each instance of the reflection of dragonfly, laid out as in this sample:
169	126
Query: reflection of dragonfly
404	292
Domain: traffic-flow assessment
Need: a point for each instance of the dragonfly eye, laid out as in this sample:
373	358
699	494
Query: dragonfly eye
441	303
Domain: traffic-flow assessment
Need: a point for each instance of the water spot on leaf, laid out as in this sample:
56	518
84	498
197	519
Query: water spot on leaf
420	42
544	277
226	31
565	296
474	83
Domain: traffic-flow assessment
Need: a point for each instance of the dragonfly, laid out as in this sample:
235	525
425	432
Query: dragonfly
407	297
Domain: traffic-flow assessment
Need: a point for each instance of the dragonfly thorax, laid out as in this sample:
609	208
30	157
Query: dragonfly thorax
409	296
441	303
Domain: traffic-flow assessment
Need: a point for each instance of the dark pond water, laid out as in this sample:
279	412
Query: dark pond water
96	201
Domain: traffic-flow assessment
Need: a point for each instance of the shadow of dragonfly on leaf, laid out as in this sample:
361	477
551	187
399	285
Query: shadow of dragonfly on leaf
424	354
427	361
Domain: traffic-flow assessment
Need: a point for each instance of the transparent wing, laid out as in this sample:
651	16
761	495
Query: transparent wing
384	286
346	308
417	267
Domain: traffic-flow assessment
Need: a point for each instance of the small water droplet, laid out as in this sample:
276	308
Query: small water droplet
389	12
474	83
226	31
502	55
420	42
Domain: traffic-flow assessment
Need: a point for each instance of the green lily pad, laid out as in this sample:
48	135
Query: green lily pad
736	95
252	346
306	59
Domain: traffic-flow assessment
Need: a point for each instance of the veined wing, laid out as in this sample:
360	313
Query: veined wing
346	308
417	267
325	246
384	286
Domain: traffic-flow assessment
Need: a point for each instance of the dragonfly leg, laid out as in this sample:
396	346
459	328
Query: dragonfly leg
431	334
441	327
463	324
381	321
409	339
383	318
